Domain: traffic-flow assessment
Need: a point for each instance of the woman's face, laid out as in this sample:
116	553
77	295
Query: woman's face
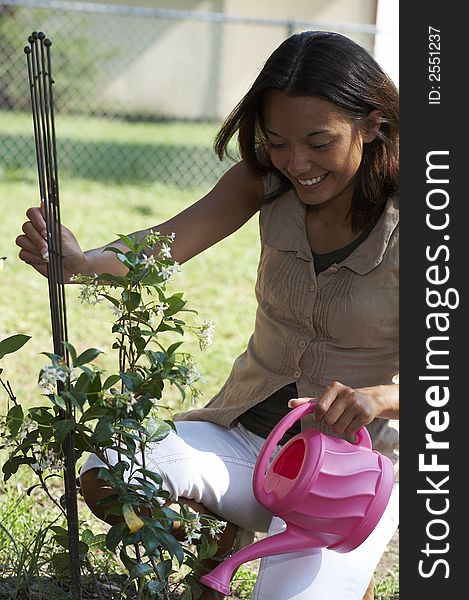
313	144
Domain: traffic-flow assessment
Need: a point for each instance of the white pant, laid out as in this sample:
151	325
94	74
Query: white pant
214	465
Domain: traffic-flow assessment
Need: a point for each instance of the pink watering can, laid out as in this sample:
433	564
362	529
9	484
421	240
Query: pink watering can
331	494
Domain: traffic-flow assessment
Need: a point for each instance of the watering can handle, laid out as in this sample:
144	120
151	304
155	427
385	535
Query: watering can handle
362	439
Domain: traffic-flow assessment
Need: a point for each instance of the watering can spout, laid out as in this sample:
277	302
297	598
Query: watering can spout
290	540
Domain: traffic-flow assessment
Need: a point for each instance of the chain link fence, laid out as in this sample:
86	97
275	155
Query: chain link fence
139	92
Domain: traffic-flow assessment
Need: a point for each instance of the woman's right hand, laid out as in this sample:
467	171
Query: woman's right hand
34	249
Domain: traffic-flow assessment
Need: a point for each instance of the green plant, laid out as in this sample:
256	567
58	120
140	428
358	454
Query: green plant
120	415
388	587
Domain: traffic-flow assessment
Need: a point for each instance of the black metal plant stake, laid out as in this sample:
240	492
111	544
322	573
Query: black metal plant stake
38	56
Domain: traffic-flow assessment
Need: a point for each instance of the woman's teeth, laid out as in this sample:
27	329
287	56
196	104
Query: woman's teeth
313	181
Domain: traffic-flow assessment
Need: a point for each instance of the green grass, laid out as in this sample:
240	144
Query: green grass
388	587
219	284
111	150
97	129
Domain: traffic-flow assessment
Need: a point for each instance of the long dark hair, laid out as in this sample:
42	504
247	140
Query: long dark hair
333	67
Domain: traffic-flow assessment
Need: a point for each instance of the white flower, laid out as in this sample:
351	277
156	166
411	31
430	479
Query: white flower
48	460
26	427
90	291
50	375
193	374
205	334
9	443
192	528
148	261
116	310
165	251
168	272
152	237
132	402
125	400
216	528
160	308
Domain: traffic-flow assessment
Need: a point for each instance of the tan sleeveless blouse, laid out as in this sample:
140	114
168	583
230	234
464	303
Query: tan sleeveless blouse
341	325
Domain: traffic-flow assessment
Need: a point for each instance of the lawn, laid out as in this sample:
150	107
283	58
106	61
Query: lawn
219	284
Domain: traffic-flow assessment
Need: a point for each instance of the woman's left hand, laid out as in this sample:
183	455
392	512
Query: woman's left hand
343	408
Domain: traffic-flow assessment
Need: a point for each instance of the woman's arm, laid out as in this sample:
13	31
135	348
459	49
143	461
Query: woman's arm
234	200
346	409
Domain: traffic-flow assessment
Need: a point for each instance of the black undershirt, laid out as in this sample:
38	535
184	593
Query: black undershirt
262	418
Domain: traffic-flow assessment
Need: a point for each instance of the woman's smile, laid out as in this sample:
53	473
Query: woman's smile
312	182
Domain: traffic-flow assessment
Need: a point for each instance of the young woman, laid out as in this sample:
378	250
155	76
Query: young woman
318	139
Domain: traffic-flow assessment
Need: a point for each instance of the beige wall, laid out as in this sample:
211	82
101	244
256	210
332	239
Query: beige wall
193	68
356	11
246	47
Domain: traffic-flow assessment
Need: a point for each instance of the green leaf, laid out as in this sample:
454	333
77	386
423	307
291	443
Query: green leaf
172	349
125	558
55	358
77	399
32	488
143	407
171	544
140	344
72	352
88	372
61	562
165	327
153	387
164	568
95	385
151	475
13	343
132	300
155	587
82	383
171	514
206	549
41	414
15	418
12	465
114	536
103	430
149	539
96	412
180	388
58	401
157	430
87	356
176	303
147	487
127	381
129	241
110	381
114	280
140	570
112	300
131	380
63	428
124	259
